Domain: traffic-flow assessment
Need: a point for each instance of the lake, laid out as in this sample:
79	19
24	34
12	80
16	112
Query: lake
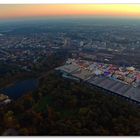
20	88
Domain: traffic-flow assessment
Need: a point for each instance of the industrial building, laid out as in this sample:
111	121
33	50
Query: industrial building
123	81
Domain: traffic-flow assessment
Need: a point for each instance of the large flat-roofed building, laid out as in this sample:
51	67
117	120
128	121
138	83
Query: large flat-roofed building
82	74
68	68
133	93
100	75
117	87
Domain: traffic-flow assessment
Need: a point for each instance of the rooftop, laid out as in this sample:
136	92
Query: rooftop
120	80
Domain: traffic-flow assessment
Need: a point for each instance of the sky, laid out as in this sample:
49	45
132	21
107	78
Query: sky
13	11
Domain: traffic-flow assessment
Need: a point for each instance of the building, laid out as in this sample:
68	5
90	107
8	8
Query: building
122	81
4	99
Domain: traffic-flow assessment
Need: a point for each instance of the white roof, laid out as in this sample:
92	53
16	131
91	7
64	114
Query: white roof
130	68
7	101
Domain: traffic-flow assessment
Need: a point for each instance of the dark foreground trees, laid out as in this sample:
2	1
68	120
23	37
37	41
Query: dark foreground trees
63	107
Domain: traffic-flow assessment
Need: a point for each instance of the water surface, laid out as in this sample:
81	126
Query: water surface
20	88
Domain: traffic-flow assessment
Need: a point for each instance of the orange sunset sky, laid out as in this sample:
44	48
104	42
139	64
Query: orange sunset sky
19	11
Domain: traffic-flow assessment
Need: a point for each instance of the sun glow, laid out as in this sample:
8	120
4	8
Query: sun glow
30	10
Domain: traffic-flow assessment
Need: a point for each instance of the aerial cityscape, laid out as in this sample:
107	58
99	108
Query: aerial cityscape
70	70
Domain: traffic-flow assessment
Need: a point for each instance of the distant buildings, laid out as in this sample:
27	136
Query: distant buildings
67	43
